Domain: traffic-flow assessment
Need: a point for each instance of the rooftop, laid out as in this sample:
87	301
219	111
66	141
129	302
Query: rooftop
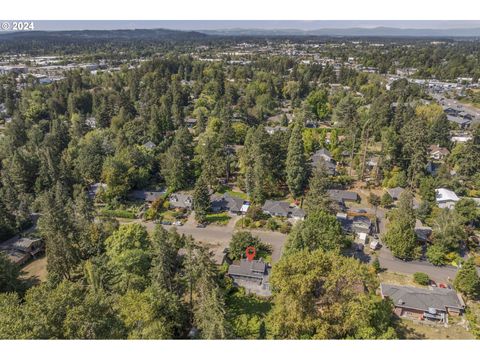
422	299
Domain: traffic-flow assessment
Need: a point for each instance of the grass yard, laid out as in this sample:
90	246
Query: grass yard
398	279
36	270
247	314
237	194
218	219
414	331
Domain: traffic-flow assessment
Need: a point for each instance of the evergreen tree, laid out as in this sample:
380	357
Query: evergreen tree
201	200
467	280
296	163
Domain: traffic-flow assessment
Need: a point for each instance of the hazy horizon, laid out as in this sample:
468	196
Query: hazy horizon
305	25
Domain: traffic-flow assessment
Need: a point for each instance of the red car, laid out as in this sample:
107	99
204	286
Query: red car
443	286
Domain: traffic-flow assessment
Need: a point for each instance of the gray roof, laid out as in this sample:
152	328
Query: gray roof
227	202
179	200
149	145
278	208
422	299
255	269
146	195
342	195
395	192
24	244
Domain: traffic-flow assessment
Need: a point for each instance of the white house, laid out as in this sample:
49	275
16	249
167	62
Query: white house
445	198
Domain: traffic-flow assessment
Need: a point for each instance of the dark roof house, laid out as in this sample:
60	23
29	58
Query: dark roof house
341	196
324	157
181	201
432	304
226	202
145	195
282	208
253	275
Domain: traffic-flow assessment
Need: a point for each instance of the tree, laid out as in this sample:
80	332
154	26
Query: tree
386	200
92	319
9	275
296	163
201	200
317	197
176	165
243	239
127	250
467	280
400	237
320	230
152	314
467	211
165	247
57	227
324	295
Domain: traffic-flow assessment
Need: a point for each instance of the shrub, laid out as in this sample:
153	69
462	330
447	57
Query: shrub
421	278
272	224
376	265
285	227
436	255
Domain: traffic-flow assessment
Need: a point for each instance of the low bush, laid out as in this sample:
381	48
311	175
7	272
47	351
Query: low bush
421	278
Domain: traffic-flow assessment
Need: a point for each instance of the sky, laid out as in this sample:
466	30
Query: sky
248	24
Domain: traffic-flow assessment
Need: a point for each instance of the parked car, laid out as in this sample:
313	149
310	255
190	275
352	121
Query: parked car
166	222
178	223
200	225
432	283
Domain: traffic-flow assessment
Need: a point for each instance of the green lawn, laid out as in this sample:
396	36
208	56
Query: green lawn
247	314
218	219
238	194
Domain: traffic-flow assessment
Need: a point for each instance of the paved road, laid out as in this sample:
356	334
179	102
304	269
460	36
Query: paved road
436	273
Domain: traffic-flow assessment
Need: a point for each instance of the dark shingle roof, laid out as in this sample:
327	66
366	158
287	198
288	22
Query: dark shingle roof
255	269
422	299
280	208
342	195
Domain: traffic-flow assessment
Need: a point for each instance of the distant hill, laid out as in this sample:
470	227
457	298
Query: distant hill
350	32
137	34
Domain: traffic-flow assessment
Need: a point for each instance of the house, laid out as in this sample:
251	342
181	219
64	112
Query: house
324	157
395	192
445	198
181	201
462	122
146	195
283	209
252	275
96	188
28	246
190	122
437	152
226	202
430	304
342	196
361	225
91	122
149	145
423	232
16	257
273	129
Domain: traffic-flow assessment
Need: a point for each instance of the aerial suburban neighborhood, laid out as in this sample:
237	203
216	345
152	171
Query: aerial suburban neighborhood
167	184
